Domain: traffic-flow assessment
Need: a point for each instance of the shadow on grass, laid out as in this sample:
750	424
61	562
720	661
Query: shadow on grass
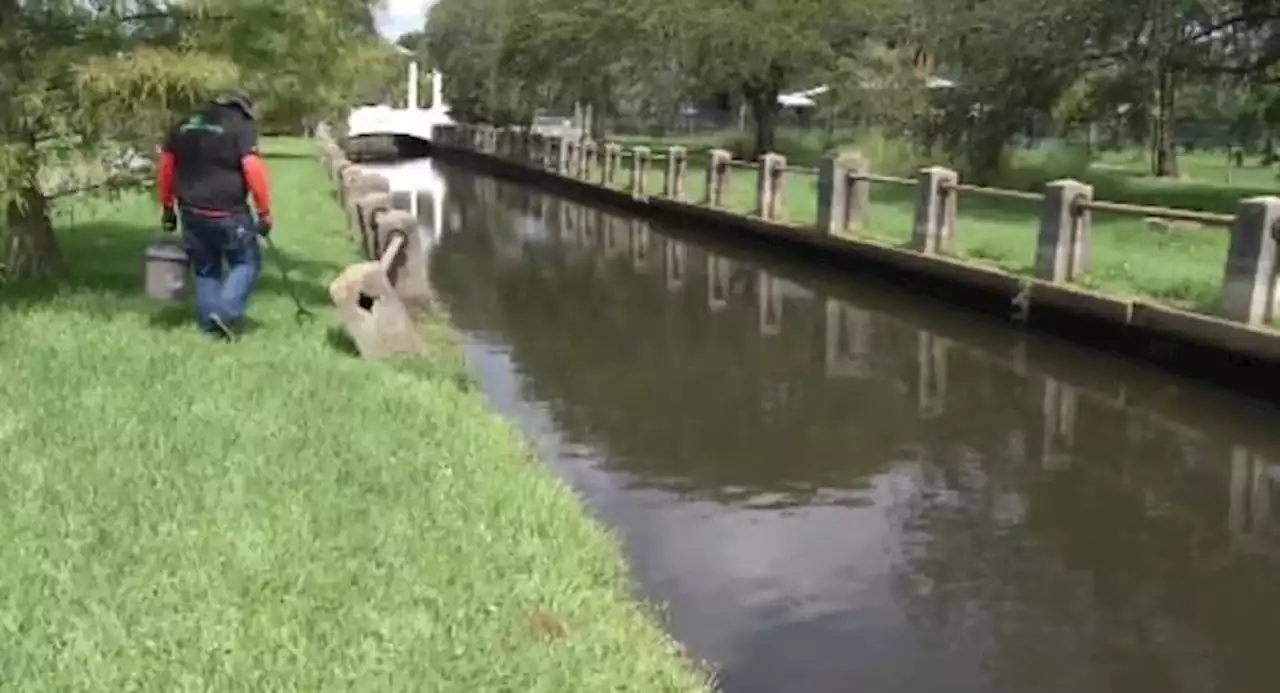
341	342
285	156
105	261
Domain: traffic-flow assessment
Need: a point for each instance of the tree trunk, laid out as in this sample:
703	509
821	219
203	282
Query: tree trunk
31	251
1165	161
764	108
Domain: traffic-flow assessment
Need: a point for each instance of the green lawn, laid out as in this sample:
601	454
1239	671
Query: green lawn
178	514
1181	265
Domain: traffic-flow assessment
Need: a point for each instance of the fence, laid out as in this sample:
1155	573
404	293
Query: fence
843	197
376	299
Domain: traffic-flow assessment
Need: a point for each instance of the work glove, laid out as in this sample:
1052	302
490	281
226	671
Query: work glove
264	225
169	220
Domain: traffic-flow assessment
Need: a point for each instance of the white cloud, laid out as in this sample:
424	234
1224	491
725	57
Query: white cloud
399	17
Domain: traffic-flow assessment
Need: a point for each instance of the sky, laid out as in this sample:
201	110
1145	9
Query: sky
402	16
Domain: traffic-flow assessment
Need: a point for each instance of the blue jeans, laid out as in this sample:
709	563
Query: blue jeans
212	240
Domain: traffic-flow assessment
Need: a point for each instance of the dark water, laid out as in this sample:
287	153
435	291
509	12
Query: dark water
838	488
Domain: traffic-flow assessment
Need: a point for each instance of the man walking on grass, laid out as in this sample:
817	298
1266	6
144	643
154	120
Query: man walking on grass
209	167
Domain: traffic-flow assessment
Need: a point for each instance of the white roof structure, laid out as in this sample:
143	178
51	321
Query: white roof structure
804	99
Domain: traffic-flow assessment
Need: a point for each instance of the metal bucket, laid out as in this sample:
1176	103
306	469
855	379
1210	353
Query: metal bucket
166	270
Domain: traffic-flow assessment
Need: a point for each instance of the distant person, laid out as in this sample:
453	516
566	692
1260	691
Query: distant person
209	166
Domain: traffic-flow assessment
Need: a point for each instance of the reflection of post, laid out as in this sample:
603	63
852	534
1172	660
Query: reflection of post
1059	410
547	210
581	220
848	333
1249	514
769	303
615	236
597	224
565	220
719	270
455	219
931	384
674	254
640	245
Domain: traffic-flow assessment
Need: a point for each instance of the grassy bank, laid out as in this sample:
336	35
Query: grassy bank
179	514
1181	265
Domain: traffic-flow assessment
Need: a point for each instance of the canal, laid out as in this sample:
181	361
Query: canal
835	486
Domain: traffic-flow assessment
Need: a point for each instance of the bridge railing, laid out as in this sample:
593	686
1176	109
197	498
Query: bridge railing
1061	248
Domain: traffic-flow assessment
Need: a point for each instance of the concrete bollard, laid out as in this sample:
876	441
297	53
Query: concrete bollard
769	186
407	271
373	315
358	183
550	152
1062	244
612	160
1249	275
534	146
590	154
677	165
570	165
639	169
843	196
339	165
564	156
717	177
363	215
935	219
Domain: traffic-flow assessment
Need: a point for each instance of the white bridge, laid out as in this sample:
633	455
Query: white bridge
411	121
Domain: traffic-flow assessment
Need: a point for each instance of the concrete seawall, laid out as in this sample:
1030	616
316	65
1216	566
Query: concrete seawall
1242	358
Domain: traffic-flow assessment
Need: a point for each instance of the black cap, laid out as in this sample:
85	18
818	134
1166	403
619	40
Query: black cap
238	98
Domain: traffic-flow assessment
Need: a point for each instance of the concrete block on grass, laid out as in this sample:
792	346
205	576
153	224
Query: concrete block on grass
373	315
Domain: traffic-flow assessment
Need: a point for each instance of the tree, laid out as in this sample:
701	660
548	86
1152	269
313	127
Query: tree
82	81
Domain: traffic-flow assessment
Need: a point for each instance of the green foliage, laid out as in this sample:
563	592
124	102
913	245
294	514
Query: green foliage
83	82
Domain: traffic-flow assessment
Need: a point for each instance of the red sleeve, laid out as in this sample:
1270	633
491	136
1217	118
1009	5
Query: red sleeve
164	177
255	178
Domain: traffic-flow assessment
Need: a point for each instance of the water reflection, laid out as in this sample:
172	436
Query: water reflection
418	188
838	489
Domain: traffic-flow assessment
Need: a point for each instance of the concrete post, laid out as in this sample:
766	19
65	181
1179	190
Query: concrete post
1062	246
590	156
639	169
769	186
935	221
550	151
581	163
569	166
564	157
677	164
717	177
612	159
1249	277
844	193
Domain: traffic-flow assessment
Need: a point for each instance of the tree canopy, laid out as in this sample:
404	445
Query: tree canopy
83	81
1009	61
